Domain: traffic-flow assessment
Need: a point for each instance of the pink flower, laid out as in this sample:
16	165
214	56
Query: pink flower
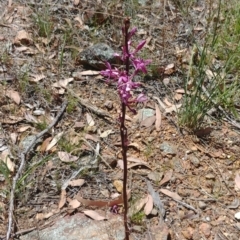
140	64
140	46
132	32
124	81
141	98
109	72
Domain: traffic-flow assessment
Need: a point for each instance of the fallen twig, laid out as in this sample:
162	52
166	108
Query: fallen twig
186	205
22	164
90	106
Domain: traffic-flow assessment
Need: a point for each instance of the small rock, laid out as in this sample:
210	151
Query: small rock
205	228
196	235
26	142
188	233
202	205
208	219
145	113
155	176
168	148
194	160
118	184
210	176
177	165
108	104
237	215
238	226
79	226
96	56
150	139
154	212
137	228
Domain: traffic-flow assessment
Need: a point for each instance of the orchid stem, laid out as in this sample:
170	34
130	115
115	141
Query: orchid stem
124	136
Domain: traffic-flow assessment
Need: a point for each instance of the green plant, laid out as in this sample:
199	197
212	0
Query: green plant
148	151
72	103
42	125
138	217
5	171
196	104
65	145
24	80
44	23
21	183
207	82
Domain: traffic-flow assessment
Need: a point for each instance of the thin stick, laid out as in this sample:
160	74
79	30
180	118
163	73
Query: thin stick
22	164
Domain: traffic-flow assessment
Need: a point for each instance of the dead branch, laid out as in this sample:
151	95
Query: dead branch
22	156
90	106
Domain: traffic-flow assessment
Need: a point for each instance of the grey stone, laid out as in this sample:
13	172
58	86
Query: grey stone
194	160
202	205
168	148
96	56
26	142
176	163
80	227
145	113
108	104
155	176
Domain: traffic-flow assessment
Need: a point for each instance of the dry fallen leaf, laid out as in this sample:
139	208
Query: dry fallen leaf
63	83
62	199
14	95
79	21
4	156
22	37
135	145
139	163
148	122
171	194
45	144
90	120
23	129
167	103
94	215
173	108
118	184
167	177
74	203
149	205
76	183
237	182
178	96
14	137
54	141
89	73
41	216
10	119
169	69
67	157
137	206
181	90
106	133
91	137
37	77
158	118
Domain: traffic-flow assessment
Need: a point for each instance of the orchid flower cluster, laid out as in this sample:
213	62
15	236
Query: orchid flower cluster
125	83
